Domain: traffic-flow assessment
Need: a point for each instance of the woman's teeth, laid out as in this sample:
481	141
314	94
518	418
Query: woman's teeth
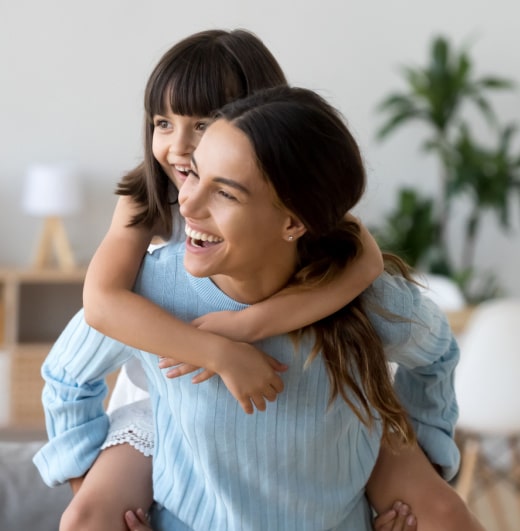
198	239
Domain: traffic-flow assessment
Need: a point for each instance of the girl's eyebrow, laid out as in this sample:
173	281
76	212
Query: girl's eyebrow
224	180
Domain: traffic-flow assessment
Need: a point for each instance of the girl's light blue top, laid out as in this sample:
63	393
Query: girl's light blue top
296	466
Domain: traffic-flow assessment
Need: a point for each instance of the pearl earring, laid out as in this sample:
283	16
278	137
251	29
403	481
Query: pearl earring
290	238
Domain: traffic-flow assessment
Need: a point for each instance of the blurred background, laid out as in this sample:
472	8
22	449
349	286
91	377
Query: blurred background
72	79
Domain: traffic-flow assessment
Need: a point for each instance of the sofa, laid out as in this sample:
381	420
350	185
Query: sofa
26	503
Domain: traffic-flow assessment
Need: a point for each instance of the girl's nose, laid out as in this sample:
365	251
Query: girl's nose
182	143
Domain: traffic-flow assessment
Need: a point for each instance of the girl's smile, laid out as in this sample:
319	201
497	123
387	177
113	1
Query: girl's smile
175	137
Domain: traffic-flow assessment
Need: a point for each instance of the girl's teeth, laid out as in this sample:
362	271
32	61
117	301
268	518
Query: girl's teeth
184	171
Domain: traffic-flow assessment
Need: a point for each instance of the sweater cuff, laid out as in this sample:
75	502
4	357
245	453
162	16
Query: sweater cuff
440	448
72	454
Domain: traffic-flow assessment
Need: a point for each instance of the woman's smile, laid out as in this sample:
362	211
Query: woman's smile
201	239
236	229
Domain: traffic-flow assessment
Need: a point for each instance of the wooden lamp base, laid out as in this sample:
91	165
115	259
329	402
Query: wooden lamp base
54	240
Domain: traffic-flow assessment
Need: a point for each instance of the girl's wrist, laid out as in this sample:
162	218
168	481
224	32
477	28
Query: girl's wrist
220	355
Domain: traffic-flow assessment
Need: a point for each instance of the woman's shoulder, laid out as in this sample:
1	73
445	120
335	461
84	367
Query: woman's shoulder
400	311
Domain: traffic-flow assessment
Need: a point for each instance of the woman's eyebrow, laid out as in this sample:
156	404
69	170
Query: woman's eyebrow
233	184
224	180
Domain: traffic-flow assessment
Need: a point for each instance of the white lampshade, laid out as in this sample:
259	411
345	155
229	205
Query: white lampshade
51	191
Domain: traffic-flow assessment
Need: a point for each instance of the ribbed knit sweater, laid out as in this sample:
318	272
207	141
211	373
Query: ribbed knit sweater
298	465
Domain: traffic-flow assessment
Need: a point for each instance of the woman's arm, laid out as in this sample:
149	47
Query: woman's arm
291	309
115	310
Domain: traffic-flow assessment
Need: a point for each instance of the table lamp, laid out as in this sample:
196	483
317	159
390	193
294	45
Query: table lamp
52	192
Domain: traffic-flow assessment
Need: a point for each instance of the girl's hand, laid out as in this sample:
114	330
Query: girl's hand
181	369
251	376
137	521
398	518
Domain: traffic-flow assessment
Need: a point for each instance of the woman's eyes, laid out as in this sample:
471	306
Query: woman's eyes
222	193
227	195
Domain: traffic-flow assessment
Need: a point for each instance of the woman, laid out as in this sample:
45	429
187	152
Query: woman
264	204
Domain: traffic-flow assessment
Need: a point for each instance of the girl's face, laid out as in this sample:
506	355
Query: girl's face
174	138
237	233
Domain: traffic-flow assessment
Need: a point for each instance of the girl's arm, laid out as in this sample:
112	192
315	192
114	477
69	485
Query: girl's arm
292	309
113	309
289	309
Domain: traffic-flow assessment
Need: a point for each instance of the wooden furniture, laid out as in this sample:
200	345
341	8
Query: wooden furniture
459	319
486	384
54	240
35	306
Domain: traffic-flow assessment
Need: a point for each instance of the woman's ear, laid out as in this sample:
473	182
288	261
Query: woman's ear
293	228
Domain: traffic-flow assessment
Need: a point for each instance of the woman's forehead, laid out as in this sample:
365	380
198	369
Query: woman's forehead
226	151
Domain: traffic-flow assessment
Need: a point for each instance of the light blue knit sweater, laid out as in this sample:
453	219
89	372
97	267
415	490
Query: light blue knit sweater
297	466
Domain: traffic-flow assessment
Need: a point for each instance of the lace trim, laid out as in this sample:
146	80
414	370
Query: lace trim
133	435
132	424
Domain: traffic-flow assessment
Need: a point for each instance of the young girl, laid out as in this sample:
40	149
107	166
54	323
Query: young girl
195	77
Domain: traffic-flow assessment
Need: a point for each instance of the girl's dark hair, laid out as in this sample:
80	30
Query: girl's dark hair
307	154
194	78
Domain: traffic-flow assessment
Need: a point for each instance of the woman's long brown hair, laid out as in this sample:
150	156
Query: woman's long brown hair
314	165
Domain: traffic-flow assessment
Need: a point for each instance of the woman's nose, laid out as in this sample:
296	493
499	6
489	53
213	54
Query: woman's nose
190	199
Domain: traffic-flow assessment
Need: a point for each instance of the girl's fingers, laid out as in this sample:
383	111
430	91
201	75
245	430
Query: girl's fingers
203	376
164	363
181	370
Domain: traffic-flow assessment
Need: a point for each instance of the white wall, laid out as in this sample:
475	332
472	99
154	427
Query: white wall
72	77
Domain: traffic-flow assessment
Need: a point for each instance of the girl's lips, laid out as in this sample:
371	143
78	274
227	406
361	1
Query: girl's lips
180	176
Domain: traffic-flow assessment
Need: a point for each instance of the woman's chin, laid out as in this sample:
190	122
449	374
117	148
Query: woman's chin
195	267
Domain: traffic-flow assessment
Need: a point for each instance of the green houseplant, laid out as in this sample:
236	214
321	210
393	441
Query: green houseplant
436	95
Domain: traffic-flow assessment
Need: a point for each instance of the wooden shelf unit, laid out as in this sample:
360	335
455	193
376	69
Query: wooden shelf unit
35	306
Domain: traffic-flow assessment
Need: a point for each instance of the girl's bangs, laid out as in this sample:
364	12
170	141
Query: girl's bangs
194	89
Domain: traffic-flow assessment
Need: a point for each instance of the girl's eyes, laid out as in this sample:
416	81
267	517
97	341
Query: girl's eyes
161	124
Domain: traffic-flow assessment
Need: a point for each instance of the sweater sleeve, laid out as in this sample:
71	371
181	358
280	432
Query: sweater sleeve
74	374
417	337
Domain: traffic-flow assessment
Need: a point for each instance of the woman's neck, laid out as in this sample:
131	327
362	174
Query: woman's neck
254	288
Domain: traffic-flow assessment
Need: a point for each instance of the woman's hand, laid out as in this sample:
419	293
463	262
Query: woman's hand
137	521
398	518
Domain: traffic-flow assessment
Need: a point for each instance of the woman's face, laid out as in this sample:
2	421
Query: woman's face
237	233
174	138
